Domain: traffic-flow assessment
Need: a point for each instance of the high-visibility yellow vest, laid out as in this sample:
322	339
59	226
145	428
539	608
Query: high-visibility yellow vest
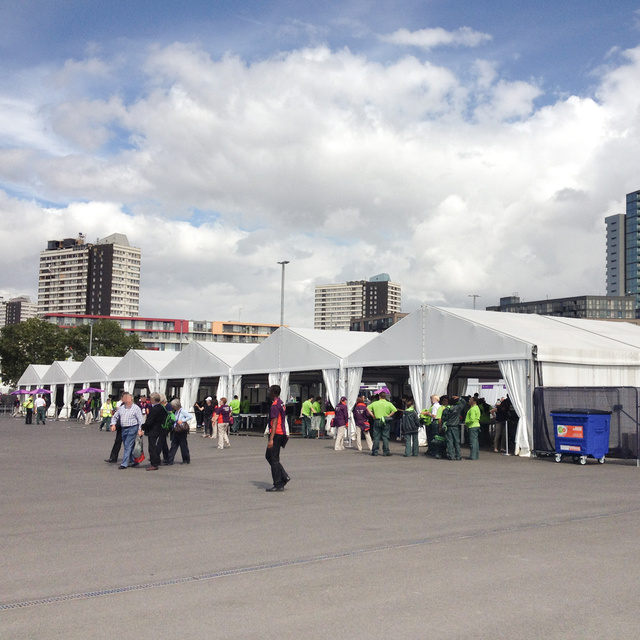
106	410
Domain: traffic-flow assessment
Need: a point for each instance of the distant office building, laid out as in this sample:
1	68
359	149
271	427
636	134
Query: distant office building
593	307
623	250
19	309
337	304
170	334
376	324
94	279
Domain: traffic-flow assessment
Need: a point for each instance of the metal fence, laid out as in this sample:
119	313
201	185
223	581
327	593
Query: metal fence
624	437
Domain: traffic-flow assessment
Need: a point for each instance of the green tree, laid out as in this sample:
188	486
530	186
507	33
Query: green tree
108	339
31	342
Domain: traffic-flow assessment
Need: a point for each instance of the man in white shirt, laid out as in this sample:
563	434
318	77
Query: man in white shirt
41	408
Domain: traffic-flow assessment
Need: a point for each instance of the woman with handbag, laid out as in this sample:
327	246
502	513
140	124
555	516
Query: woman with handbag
224	418
180	433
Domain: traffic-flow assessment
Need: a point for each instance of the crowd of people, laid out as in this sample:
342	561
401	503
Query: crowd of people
443	422
167	424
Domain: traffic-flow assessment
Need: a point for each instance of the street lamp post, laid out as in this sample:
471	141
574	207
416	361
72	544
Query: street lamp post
474	296
283	263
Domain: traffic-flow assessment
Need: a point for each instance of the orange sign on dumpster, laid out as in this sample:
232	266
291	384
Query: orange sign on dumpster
569	431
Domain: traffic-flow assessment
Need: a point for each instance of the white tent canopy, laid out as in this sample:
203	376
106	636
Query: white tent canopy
59	374
96	370
207	360
289	350
138	365
430	340
32	376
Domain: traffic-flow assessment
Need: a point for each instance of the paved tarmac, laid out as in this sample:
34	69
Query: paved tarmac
356	547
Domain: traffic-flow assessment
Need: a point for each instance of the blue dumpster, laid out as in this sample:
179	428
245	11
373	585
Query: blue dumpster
580	433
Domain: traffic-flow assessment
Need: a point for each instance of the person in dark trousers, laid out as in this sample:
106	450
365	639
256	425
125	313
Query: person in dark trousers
277	439
450	421
410	428
117	443
153	430
179	437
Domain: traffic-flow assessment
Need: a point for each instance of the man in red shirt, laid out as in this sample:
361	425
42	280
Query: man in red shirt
277	439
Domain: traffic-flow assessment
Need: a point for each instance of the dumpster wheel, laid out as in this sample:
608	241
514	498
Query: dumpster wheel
558	457
583	459
601	460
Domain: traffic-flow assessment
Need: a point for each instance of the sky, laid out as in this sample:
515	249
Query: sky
463	148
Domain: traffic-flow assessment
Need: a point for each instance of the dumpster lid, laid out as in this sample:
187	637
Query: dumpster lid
581	411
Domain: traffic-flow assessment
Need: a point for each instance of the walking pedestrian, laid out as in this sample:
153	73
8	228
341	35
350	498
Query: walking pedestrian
277	439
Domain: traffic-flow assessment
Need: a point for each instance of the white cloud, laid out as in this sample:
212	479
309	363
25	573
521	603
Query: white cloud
438	37
345	166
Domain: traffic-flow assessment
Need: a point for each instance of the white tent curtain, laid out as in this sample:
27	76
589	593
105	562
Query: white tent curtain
416	380
51	413
425	381
330	377
223	388
237	385
189	393
284	386
151	385
354	378
516	377
162	385
129	386
436	379
67	399
282	380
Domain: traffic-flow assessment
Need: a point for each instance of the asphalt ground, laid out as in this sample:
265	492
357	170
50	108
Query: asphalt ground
355	547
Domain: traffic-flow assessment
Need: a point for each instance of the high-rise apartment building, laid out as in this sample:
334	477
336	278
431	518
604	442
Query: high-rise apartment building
19	309
80	278
114	277
623	250
632	246
616	254
337	304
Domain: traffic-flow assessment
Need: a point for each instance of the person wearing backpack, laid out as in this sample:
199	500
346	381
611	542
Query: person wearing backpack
410	427
153	429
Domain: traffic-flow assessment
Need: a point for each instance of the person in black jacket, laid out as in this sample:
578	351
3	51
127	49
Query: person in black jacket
410	427
153	430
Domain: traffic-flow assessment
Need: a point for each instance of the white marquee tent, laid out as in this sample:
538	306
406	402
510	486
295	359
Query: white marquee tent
142	366
290	350
207	360
32	376
530	350
59	374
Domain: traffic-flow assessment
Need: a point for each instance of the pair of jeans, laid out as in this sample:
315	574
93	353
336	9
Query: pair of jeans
453	443
128	441
411	444
278	474
40	415
381	429
306	426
